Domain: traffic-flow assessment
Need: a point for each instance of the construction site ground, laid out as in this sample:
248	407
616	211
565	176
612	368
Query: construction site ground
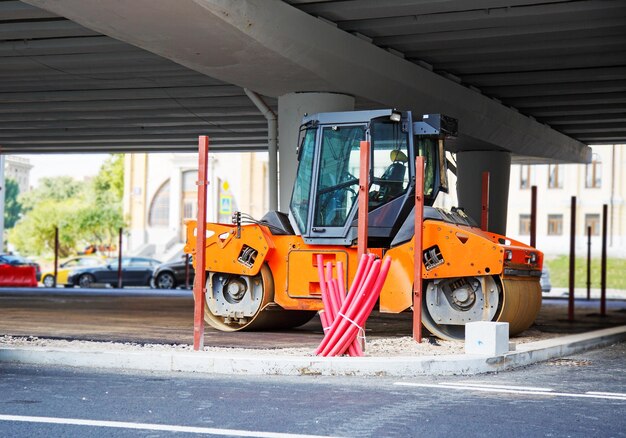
139	320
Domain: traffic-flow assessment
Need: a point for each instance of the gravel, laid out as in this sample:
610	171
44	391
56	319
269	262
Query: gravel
375	346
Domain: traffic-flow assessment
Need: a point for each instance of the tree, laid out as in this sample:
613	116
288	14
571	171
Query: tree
56	188
12	207
85	212
99	225
34	233
109	182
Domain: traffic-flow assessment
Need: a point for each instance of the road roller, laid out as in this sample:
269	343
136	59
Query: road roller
261	274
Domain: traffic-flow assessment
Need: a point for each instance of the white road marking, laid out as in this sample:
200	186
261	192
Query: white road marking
149	426
510	391
483	385
618	394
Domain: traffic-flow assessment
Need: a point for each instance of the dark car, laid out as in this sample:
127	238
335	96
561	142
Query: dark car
546	284
136	271
16	260
172	274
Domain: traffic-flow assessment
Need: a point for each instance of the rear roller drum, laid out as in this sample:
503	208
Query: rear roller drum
238	302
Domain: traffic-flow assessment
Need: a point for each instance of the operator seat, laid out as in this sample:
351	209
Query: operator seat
392	180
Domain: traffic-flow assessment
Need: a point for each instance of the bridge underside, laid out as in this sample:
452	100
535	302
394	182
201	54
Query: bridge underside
539	79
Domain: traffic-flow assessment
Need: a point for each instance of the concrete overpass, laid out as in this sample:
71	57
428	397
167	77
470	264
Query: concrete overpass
529	80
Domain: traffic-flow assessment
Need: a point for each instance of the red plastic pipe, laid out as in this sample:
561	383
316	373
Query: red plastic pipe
364	311
362	270
350	309
344	308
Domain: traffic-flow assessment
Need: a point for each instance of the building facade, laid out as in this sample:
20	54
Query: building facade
600	182
18	169
160	194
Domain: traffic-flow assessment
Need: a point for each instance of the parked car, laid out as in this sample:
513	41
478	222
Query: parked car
47	278
172	274
546	285
16	260
136	271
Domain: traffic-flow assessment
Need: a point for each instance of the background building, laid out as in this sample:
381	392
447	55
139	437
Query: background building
18	169
160	193
600	182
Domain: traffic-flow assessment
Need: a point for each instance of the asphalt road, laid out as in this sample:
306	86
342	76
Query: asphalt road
579	396
150	316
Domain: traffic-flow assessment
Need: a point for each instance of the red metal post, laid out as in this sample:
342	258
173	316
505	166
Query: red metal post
417	249
603	261
588	262
533	216
199	284
186	271
364	173
56	254
119	261
572	260
484	216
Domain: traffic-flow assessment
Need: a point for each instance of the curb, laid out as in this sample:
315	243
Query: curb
214	363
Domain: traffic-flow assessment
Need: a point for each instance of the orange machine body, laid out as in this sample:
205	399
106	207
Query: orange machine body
462	251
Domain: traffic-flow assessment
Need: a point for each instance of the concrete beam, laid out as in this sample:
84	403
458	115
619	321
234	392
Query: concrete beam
240	43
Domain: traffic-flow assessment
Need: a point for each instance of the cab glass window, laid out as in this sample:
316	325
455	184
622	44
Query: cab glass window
390	165
304	175
338	181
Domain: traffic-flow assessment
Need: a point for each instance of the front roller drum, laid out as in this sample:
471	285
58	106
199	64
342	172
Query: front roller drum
522	301
448	304
239	302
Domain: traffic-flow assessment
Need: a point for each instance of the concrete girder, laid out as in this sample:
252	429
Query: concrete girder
303	53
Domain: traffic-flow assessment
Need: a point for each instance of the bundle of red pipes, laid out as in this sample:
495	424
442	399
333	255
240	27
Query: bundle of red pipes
344	315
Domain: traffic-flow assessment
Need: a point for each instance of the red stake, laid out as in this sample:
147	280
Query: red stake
56	255
533	216
572	260
603	261
484	217
363	197
199	284
119	261
417	249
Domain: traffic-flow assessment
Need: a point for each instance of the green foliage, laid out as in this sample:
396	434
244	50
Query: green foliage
57	188
85	212
12	207
559	272
109	182
34	233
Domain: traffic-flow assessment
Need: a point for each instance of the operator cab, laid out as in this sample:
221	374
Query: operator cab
324	201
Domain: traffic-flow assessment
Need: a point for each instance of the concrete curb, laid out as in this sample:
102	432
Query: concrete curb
213	363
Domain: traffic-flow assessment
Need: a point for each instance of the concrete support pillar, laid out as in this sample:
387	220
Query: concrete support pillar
291	109
470	166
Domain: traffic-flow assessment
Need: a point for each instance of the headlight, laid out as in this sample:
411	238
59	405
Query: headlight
508	255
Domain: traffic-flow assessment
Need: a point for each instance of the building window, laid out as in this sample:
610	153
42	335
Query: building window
593	173
555	224
524	178
555	176
593	221
190	194
159	215
524	224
